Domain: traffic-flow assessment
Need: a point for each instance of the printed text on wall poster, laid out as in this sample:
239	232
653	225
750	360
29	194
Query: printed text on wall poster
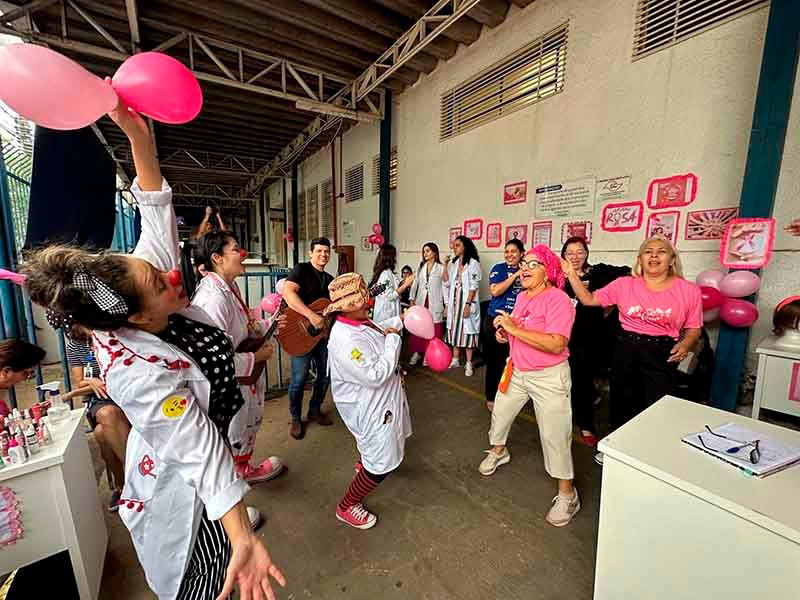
614	188
542	233
568	199
622	216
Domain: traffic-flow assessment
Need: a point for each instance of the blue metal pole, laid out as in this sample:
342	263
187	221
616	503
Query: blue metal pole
31	329
384	205
8	303
62	351
764	155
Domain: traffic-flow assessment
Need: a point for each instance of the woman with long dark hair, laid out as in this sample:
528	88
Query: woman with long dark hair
428	291
591	338
387	303
463	308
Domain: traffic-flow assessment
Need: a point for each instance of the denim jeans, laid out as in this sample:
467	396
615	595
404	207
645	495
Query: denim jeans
300	366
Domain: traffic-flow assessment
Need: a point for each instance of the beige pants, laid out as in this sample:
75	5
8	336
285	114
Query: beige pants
550	391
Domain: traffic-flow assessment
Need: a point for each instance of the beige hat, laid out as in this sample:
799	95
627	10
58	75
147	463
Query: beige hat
349	293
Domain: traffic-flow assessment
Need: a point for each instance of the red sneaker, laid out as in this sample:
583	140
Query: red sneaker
358	467
268	469
357	516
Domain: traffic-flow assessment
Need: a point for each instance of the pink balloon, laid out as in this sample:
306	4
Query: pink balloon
738	313
158	86
438	355
739	284
271	302
419	321
710	278
710	315
50	89
379	240
279	286
712	297
377	229
373	238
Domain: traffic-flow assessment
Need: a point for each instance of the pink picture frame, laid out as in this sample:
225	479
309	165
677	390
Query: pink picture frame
519	232
494	235
794	384
541	233
577	229
452	234
473	229
747	243
708	224
622	216
515	193
672	192
664	224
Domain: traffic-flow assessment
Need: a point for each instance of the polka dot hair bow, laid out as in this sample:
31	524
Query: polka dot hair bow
102	295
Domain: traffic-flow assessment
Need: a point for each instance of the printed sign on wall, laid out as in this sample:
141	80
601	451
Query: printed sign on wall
671	192
473	229
452	235
709	224
747	243
542	233
515	193
568	199
580	229
494	235
517	232
664	224
365	243
624	216
615	188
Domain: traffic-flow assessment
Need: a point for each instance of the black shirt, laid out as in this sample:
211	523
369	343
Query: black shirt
313	284
589	328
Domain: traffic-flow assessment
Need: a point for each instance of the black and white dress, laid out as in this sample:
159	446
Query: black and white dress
211	350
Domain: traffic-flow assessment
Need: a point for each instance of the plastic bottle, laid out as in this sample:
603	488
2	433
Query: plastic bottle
44	428
4	439
16	453
58	411
19	437
31	442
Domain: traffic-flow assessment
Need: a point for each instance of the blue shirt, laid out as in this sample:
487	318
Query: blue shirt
505	301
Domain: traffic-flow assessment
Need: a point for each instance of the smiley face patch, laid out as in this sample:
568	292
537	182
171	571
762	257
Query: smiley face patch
174	406
356	355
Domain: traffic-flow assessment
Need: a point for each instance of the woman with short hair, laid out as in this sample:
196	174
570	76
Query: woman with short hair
18	361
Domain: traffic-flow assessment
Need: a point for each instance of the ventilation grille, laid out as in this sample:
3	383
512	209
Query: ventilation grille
326	190
312	211
301	217
519	80
664	23
376	172
354	183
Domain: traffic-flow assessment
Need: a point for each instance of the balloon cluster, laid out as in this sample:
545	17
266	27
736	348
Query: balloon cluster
722	296
53	91
376	239
271	302
419	321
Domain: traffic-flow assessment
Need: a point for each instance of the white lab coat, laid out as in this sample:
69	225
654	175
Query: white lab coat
176	463
387	303
470	280
367	388
432	289
226	312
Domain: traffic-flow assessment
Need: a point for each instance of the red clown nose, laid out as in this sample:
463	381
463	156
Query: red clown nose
243	253
174	278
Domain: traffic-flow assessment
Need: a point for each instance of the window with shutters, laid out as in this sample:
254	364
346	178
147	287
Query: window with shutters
354	183
301	217
525	77
664	23
326	225
376	172
312	212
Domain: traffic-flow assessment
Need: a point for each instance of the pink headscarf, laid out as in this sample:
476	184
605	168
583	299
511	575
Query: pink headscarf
551	262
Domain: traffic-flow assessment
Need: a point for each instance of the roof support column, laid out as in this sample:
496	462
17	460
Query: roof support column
384	205
263	209
295	220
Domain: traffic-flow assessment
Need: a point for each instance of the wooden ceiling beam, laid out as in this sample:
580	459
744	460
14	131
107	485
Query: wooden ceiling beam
465	30
490	12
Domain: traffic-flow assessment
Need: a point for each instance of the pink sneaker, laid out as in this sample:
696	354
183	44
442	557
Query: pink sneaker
268	469
358	467
357	516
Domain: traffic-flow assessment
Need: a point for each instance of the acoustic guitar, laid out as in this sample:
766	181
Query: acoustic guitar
297	336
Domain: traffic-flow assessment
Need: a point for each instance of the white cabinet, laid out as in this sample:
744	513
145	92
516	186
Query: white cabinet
778	379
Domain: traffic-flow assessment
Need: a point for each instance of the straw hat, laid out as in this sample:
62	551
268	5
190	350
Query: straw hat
349	293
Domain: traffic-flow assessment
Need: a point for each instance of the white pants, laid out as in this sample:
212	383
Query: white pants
550	391
245	424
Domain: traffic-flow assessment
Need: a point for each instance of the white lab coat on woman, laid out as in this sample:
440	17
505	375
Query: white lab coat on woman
470	280
221	304
430	286
176	463
367	388
387	303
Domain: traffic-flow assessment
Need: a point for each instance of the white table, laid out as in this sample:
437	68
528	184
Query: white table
678	524
60	507
777	365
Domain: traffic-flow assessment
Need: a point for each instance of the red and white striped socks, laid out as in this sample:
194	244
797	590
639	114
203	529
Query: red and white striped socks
359	488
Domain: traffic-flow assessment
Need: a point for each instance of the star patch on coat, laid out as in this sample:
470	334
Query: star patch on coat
174	406
356	355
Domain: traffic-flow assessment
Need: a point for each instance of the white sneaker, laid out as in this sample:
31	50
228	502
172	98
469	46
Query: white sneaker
468	370
454	363
414	359
489	464
598	458
424	362
254	517
563	510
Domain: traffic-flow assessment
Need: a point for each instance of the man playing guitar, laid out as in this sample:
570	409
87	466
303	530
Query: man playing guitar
306	283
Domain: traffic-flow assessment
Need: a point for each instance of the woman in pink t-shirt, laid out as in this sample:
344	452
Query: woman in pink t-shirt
538	330
661	316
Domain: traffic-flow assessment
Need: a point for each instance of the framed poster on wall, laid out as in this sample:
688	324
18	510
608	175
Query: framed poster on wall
517	232
709	224
578	229
452	235
622	216
541	233
747	243
494	235
671	192
515	193
473	229
365	245
664	224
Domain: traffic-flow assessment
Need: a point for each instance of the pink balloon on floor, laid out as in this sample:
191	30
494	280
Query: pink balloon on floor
50	89
738	313
271	302
710	278
158	86
709	316
438	355
419	321
279	286
712	297
377	229
739	284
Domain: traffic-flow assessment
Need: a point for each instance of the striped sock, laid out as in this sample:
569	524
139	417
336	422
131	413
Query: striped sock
359	488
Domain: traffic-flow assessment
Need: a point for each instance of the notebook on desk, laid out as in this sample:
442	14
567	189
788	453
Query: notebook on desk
734	445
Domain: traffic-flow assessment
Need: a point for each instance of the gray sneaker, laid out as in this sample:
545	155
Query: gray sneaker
563	510
598	458
489	464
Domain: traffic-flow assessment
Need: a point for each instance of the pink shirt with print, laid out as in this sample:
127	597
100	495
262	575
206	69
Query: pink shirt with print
551	311
654	313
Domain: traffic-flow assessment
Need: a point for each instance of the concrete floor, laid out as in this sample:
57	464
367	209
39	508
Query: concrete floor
444	531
